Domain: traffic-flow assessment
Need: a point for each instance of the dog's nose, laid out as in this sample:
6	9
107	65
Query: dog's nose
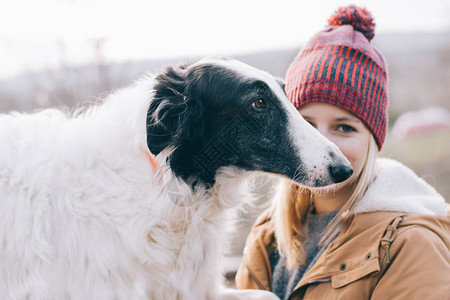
340	173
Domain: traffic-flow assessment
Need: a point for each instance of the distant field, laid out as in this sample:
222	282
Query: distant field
428	155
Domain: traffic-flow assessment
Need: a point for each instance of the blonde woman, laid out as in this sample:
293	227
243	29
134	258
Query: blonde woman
381	234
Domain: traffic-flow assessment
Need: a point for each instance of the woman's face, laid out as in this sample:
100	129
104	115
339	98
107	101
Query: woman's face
342	128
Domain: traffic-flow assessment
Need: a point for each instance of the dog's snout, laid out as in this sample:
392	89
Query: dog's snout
340	172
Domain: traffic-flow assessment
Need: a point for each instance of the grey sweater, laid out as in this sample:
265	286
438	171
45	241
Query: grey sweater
284	281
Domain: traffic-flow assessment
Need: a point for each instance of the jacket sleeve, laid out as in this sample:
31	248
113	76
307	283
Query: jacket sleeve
419	267
254	271
244	279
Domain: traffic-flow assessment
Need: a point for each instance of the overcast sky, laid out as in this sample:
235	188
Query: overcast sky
37	34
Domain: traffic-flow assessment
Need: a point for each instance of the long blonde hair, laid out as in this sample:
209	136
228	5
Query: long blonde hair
292	203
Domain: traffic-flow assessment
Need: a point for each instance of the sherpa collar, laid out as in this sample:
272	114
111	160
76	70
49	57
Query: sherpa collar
398	188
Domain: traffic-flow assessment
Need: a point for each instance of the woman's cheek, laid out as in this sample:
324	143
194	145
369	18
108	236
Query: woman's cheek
346	147
352	151
355	151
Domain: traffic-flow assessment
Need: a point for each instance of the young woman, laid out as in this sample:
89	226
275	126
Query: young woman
381	234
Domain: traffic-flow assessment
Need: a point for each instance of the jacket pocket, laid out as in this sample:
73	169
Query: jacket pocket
354	274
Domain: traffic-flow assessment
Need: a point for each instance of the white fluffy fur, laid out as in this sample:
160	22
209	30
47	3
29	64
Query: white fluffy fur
398	188
83	216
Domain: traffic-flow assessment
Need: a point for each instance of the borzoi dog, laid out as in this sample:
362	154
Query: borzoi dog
129	199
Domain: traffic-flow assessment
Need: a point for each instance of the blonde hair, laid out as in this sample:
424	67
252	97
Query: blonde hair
292	203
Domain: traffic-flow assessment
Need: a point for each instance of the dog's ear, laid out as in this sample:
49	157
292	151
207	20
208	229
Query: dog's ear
172	114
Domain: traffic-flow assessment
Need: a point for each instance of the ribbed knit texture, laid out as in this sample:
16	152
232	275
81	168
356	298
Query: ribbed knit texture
283	281
339	66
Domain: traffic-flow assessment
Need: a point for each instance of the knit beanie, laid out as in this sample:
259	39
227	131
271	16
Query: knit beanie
340	66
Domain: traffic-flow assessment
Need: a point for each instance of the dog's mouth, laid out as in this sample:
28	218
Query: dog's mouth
334	173
269	169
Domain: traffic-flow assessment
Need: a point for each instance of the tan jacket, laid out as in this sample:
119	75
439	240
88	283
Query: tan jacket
355	265
380	255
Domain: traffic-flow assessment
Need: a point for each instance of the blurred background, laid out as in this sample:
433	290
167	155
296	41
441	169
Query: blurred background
67	52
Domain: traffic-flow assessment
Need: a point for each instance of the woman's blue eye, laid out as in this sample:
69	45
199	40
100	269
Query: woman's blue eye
346	128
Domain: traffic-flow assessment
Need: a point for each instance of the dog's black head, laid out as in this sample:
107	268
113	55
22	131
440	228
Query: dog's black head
220	112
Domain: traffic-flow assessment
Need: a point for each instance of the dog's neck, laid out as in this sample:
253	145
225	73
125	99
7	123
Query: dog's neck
197	223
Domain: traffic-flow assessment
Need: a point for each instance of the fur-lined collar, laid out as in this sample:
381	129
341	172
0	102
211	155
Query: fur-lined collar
398	188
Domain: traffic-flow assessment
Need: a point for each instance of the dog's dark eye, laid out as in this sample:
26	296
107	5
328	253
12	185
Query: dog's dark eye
260	103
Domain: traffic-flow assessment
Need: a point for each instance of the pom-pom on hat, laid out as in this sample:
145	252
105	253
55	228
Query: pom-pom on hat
340	66
360	19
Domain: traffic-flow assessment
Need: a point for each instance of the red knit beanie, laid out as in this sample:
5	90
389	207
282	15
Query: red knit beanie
339	66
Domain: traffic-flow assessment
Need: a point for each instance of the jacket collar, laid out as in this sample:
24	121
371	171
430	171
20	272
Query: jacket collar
361	239
398	188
